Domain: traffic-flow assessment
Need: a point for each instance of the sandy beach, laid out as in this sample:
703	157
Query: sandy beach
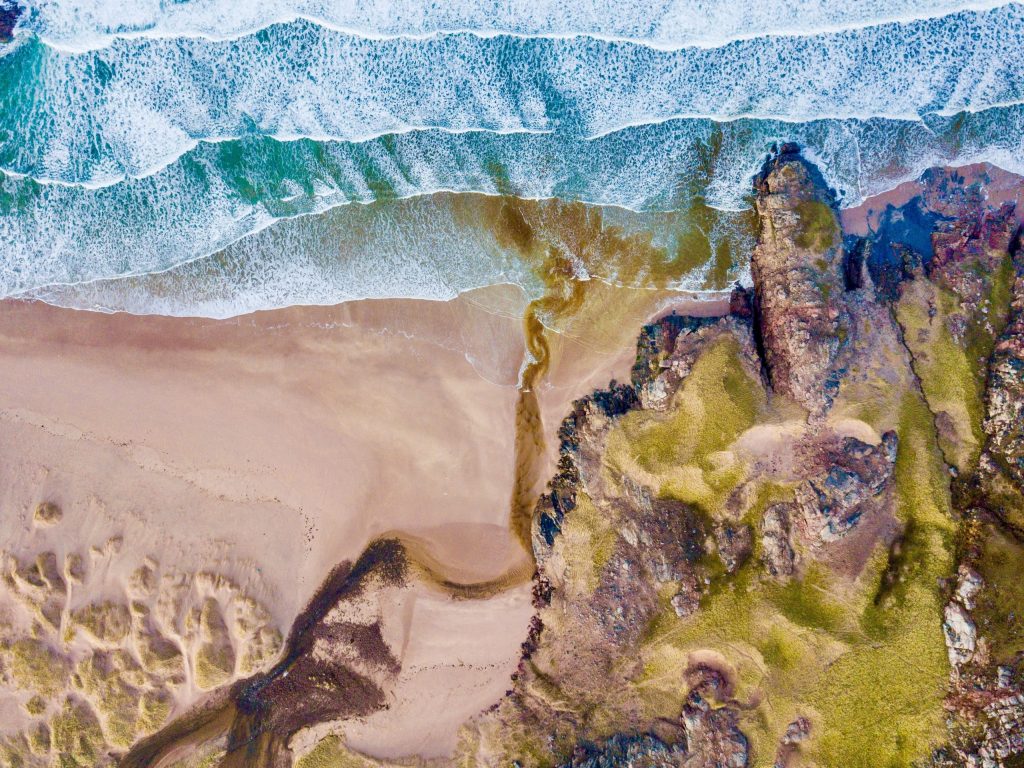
270	447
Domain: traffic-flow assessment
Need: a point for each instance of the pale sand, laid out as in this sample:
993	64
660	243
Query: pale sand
454	665
273	446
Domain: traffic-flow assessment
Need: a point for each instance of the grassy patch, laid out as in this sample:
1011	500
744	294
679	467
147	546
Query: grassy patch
587	543
76	736
819	229
685	450
953	385
36	667
870	676
104	679
331	753
806	601
882	700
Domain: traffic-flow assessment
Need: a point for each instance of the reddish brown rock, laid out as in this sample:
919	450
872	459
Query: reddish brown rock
797	268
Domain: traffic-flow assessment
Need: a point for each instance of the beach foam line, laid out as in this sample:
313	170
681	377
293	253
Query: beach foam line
282	138
222	194
270	222
188	30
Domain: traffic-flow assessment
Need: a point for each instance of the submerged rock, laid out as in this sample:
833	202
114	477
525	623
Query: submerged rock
9	13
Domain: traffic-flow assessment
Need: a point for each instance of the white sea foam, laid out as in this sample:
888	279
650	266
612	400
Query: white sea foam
422	248
166	157
666	24
129	109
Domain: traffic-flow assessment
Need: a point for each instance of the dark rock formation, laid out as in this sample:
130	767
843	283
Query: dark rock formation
777	539
798	278
711	723
623	751
852	476
9	13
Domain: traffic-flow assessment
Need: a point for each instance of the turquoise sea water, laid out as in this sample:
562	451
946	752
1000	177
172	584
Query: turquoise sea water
141	140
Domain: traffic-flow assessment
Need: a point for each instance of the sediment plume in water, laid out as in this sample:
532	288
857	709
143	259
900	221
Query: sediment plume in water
568	247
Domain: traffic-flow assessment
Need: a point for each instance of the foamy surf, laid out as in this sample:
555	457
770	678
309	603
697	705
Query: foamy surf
224	193
136	105
194	159
93	24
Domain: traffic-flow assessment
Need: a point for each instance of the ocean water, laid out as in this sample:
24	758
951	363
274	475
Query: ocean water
214	157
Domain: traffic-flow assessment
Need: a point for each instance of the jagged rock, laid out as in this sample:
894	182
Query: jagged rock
1005	395
666	352
969	251
854	473
735	543
713	737
961	634
624	751
969	583
798	282
777	541
796	732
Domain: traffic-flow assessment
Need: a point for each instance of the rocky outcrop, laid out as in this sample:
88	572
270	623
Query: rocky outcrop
852	476
777	539
623	751
797	268
712	722
1004	424
687	499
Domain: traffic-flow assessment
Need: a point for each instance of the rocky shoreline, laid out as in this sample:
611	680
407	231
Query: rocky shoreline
883	376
